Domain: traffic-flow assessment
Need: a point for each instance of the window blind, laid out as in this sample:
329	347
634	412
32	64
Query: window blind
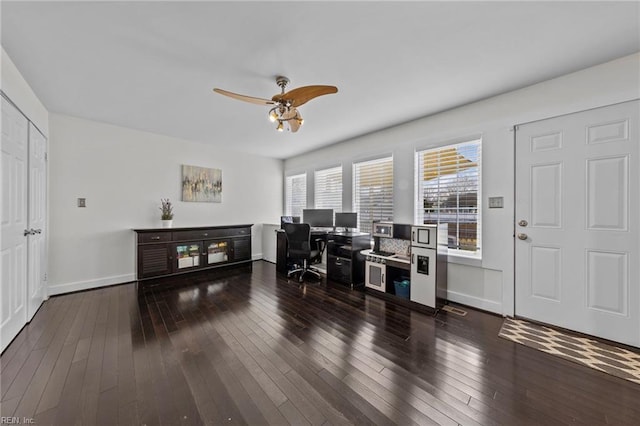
448	191
328	189
295	194
373	191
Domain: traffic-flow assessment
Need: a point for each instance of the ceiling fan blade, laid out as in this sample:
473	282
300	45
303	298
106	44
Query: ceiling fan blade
289	116
251	99
302	95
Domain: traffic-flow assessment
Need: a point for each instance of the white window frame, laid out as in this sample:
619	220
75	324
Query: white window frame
298	201
328	188
384	208
419	194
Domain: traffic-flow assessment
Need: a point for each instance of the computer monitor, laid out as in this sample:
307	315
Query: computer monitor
288	219
318	218
346	220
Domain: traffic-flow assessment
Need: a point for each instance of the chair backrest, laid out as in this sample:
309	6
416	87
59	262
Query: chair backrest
298	239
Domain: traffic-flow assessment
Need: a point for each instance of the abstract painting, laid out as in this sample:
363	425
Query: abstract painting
201	184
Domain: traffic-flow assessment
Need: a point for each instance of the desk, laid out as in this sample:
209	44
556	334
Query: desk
281	247
345	263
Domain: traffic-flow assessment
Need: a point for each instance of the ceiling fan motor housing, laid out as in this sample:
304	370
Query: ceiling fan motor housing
282	82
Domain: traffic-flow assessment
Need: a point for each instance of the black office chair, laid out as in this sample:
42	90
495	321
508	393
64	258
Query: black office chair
318	245
299	249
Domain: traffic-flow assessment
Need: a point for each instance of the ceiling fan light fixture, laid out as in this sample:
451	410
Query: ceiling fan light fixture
273	115
280	127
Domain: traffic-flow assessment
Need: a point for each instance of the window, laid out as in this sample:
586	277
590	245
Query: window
328	189
373	191
448	191
296	195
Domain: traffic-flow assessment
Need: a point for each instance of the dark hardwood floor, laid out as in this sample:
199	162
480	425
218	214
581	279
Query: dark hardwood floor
251	347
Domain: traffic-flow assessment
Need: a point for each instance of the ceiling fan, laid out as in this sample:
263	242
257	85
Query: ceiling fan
285	104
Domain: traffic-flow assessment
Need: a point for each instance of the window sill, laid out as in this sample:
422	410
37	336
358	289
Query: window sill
461	259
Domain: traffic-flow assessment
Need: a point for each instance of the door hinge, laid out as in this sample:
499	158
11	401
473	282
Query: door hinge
46	156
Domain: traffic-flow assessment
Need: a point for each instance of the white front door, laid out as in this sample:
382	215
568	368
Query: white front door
13	264
37	209
577	222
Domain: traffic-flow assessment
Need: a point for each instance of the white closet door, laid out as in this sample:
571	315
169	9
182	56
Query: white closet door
13	263
37	208
578	222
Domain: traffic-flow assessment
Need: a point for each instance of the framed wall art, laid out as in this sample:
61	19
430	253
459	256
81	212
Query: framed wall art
201	184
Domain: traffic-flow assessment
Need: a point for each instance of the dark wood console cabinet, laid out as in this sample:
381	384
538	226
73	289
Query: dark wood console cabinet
168	251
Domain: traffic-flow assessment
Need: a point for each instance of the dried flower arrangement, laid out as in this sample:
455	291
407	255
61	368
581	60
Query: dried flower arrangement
167	209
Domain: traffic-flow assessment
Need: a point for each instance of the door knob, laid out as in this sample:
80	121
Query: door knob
27	232
523	223
523	236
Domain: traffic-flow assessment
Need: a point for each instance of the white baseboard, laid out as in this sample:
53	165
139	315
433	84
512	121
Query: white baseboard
475	302
102	282
86	285
465	299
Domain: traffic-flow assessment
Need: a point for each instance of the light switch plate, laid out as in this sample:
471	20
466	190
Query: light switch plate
496	202
82	202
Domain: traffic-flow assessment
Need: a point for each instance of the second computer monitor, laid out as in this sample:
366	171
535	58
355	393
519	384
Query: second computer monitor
288	219
346	220
318	218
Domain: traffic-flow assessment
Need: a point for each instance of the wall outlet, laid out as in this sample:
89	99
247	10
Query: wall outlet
496	202
82	202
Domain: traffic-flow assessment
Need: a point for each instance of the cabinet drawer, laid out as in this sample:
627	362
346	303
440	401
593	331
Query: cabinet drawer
200	234
154	237
240	231
339	269
341	239
203	234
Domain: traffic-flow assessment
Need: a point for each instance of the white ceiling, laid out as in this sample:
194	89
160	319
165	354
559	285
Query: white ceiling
152	65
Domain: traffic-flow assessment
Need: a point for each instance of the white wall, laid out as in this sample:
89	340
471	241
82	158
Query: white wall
20	93
488	284
123	173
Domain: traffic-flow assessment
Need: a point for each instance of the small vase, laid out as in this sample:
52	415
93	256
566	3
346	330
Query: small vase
167	223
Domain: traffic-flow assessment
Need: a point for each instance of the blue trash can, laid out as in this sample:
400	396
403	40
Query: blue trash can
403	287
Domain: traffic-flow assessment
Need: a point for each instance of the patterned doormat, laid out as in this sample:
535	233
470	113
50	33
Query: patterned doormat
610	359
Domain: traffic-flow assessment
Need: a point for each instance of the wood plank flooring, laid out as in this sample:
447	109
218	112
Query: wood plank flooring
251	347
